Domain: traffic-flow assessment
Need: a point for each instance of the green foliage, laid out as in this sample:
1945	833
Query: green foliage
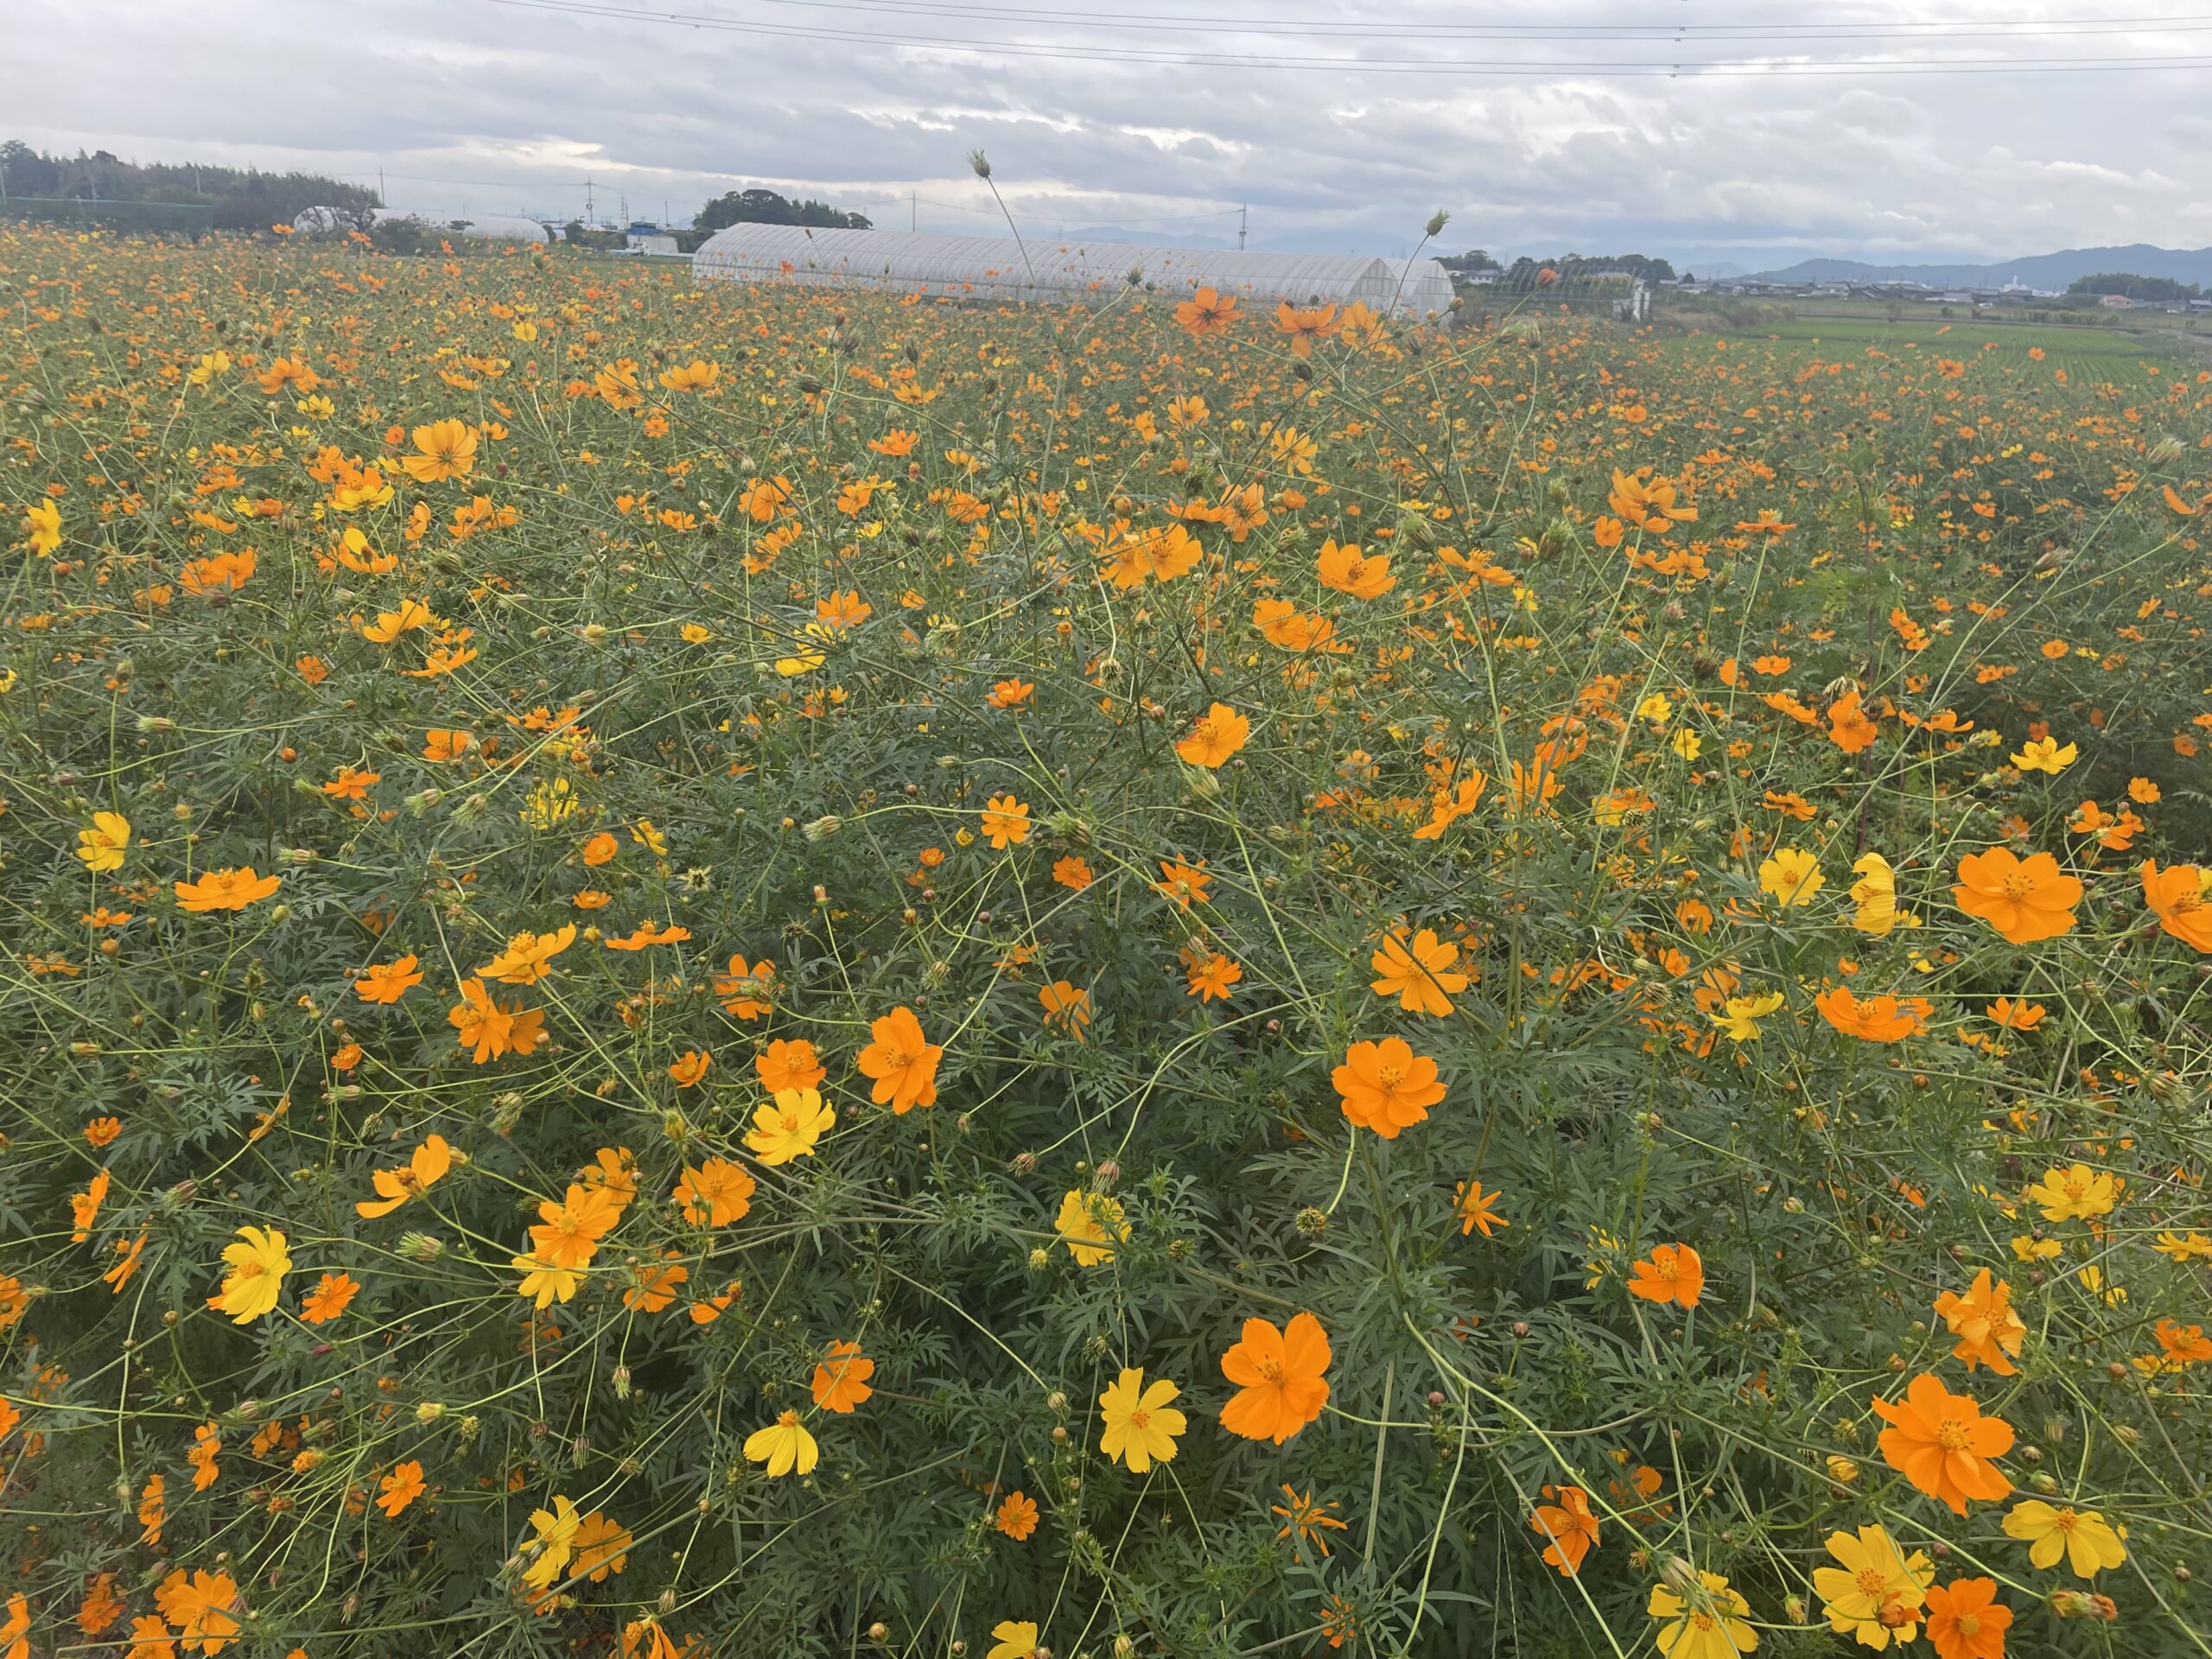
744	611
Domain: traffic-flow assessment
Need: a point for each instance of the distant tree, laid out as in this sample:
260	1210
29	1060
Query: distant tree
766	208
241	198
1524	271
2134	287
1473	260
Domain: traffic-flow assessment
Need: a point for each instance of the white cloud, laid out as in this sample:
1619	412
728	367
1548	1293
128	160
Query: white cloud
467	103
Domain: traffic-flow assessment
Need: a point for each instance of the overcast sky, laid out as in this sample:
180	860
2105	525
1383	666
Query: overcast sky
495	106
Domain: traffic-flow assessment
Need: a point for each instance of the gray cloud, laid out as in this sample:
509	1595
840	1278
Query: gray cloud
467	104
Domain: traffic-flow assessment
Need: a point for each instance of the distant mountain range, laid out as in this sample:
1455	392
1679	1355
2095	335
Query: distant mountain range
2044	271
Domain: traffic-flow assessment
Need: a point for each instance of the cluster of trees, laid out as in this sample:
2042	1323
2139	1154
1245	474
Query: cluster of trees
2135	288
766	208
238	199
1523	272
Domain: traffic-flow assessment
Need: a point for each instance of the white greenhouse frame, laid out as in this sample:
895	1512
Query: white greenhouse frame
996	268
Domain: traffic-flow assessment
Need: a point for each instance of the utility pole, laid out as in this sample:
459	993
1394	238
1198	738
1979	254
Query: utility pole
588	207
913	210
1243	218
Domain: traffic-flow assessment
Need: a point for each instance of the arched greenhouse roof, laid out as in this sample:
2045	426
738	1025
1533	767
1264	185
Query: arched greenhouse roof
498	227
996	268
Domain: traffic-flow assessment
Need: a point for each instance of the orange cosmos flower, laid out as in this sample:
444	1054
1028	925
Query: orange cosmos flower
1570	1527
387	982
2015	1016
1416	969
1072	872
747	993
1219	734
1209	974
1964	1618
1672	1273
399	1489
1876	1019
201	1608
443	449
224	890
689	1067
2180	896
1942	1443
1016	1517
1983	1320
2024	899
840	1382
1066	1007
524	962
1005	822
1206	312
1185	884
426	1166
569	1232
902	1062
1348	571
1477	1208
1850	729
1305	327
492	1029
1278	1374
1385	1086
789	1063
716	1193
333	1294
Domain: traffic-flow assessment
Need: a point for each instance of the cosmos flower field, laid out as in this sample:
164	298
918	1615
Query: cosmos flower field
698	970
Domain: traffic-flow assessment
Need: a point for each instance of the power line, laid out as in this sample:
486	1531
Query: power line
1964	28
1600	69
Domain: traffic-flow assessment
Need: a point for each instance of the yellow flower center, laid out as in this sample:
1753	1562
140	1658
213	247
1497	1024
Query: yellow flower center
1140	1419
1388	1078
895	1058
2018	886
1952	1435
787	1420
1271	1369
2065	1520
791	1123
1968	1624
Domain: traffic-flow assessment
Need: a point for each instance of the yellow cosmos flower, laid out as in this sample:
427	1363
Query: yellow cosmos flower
788	1127
1090	1226
1878	1594
783	1445
2045	755
101	847
258	1263
1740	1021
2077	1194
1792	875
1140	1424
2082	1536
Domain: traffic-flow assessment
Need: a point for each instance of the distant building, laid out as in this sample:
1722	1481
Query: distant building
648	240
2115	302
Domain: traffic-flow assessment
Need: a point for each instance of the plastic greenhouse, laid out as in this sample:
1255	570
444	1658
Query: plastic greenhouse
491	227
996	268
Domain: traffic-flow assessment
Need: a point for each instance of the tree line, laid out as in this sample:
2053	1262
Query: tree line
239	199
